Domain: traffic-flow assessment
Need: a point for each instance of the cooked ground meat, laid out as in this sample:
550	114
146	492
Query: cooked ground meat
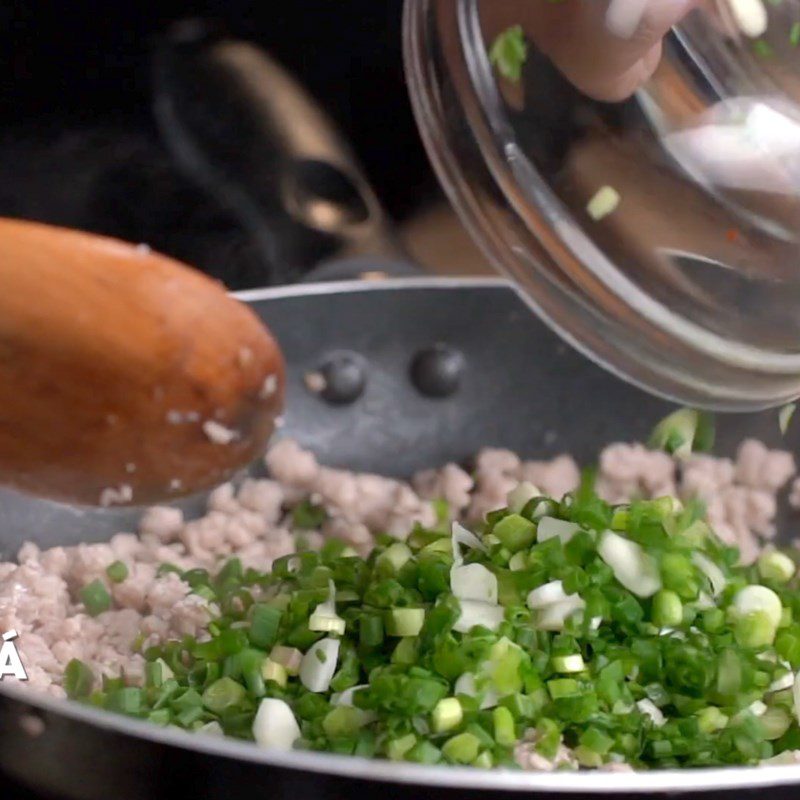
39	595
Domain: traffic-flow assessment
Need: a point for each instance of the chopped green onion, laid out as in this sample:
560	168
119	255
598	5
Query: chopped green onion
651	710
307	516
394	558
223	694
264	624
161	717
371	635
397	749
424	752
595	740
711	720
504	729
667	609
319	665
476	613
272	671
508	53
755	629
567	664
461	749
117	572
775	722
683	432
515	532
275	725
324	618
555	616
128	700
712	571
758	599
473	582
518	562
785	416
625	632
547	595
563	687
404	621
633	567
290	658
520	496
604	202
550	528
775	566
343	721
446	715
95	597
78	679
461	536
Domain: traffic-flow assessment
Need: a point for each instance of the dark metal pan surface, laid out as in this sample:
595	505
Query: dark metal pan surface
447	367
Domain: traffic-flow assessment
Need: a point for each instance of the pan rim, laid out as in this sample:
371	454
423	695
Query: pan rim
662	781
588	782
382	284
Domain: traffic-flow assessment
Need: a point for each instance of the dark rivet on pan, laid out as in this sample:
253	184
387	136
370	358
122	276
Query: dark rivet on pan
436	371
340	380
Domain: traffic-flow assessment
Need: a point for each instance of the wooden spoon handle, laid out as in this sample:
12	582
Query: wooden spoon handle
125	376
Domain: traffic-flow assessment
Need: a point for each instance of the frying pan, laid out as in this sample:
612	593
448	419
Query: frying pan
519	387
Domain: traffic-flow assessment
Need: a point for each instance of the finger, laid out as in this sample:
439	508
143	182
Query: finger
620	86
605	48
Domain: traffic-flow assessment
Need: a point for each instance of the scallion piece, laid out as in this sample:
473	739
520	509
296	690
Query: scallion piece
396	749
567	664
324	617
78	680
117	572
264	624
394	558
128	700
447	715
343	721
461	749
272	671
424	752
223	695
509	52
307	516
785	415
404	621
667	609
683	432
504	728
515	532
95	597
776	566
520	496
319	665
275	725
755	629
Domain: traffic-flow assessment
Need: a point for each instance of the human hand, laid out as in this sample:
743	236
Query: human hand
606	48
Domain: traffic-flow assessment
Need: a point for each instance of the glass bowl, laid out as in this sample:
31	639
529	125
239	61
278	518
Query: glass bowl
690	287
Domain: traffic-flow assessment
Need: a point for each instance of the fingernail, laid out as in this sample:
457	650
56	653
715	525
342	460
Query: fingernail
623	17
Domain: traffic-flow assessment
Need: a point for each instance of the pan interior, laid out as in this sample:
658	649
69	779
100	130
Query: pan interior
521	388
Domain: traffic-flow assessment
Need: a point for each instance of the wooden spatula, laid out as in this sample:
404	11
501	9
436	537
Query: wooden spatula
125	377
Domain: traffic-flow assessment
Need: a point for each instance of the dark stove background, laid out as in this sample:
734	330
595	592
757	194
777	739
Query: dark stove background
78	146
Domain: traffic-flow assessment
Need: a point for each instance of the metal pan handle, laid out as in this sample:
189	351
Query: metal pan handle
242	127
